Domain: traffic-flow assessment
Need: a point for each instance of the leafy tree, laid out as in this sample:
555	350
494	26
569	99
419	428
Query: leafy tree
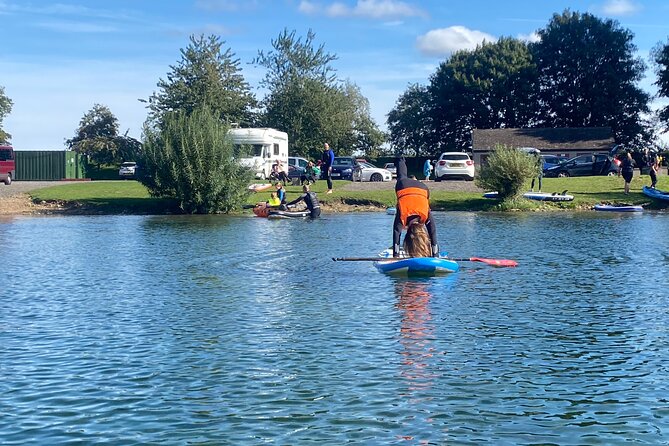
490	87
307	101
205	75
506	171
97	137
191	159
660	55
5	109
410	122
588	76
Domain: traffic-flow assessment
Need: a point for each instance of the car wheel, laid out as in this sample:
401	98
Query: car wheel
470	178
376	177
8	181
563	175
437	179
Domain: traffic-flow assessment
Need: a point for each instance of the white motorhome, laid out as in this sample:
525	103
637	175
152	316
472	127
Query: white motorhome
262	146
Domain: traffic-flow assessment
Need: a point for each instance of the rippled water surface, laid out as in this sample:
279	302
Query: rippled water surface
240	330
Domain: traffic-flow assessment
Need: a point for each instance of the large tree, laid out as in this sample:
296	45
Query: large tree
410	122
190	158
660	55
588	76
205	76
306	100
5	109
492	86
98	139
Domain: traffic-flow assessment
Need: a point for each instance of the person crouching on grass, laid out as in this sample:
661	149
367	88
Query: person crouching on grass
413	213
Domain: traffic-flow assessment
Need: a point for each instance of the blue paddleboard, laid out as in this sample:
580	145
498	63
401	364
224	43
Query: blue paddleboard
414	266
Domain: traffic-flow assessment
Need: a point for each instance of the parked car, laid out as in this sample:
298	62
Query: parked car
454	165
584	165
127	170
369	172
390	167
342	167
552	160
297	161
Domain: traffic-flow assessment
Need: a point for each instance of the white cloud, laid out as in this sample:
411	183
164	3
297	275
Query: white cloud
620	7
307	7
532	37
446	41
371	9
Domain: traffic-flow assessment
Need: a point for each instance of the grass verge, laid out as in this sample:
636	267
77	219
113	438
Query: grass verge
130	197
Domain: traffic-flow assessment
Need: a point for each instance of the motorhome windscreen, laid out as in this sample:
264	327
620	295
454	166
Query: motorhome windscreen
5	154
248	150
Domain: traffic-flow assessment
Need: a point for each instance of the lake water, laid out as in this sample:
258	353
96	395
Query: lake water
241	330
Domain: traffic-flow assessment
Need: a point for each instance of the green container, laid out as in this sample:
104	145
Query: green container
47	165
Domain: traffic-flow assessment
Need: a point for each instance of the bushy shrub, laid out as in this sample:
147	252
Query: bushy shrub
190	158
506	172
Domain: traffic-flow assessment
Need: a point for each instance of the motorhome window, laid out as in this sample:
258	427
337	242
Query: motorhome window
246	150
276	149
5	155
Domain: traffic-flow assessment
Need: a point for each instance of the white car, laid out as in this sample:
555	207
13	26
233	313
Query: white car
128	170
454	165
369	172
391	168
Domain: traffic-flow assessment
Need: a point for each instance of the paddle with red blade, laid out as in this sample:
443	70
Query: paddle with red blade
492	262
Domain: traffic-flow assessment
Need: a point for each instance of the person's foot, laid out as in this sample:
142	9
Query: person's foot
329	191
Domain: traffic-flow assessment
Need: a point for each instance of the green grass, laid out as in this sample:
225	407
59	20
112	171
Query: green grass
107	197
131	197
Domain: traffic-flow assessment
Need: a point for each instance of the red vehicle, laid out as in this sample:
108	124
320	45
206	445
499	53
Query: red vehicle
7	164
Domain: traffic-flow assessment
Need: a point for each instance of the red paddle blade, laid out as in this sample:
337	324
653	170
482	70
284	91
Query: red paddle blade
495	262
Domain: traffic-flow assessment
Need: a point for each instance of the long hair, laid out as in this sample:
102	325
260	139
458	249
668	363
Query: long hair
417	240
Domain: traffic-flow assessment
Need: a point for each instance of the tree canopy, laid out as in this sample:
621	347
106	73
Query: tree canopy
306	100
97	137
660	55
205	75
5	109
581	73
588	76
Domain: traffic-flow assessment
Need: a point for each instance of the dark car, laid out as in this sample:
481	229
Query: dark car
342	168
584	165
552	160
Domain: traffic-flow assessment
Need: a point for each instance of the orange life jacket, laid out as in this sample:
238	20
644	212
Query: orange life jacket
413	201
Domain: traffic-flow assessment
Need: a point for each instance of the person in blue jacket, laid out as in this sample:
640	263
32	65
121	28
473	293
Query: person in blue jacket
326	168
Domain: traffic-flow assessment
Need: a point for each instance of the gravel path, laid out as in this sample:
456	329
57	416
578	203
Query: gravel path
451	185
22	187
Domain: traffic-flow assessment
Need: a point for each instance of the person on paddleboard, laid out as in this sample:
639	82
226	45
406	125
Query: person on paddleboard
310	199
413	213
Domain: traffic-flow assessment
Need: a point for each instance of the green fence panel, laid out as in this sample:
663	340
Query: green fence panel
40	165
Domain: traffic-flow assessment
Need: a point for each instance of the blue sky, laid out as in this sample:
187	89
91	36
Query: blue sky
57	59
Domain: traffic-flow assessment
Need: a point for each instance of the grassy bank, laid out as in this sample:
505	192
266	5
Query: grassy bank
131	197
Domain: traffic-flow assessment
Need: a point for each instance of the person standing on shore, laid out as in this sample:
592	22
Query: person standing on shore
627	170
328	160
427	169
